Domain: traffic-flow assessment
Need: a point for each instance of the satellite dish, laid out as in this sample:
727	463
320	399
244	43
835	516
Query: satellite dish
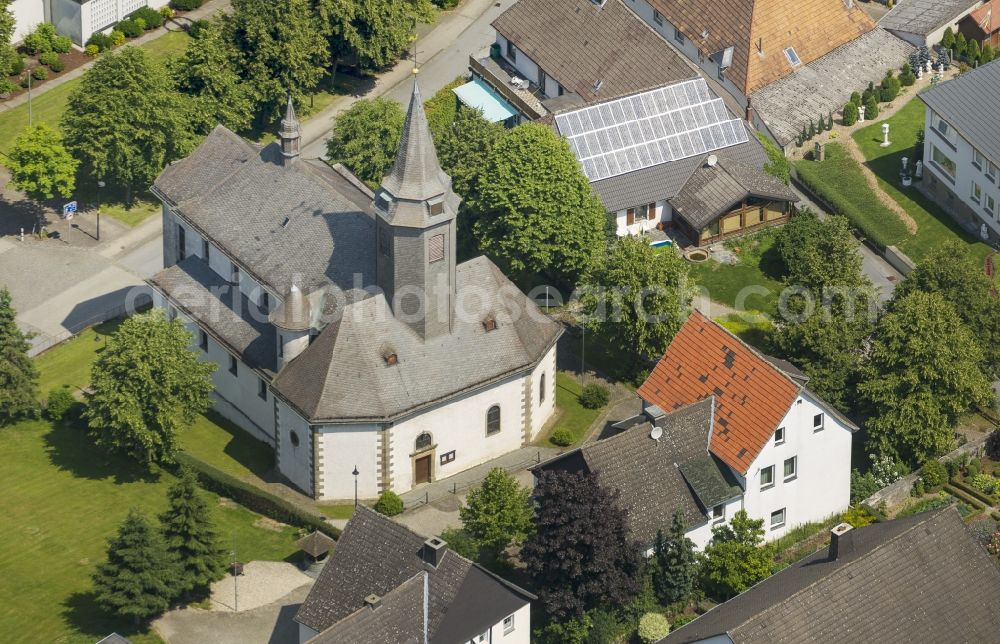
711	160
656	433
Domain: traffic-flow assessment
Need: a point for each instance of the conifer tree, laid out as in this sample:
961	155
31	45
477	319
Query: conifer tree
675	563
139	578
18	376
190	536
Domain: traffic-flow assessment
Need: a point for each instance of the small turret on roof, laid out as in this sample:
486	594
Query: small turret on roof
294	313
289	134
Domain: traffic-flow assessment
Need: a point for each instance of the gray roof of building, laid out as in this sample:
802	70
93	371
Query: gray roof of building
925	16
343	374
924	578
578	43
238	195
647	472
712	191
376	556
399	619
969	103
825	85
220	307
294	312
711	481
664	181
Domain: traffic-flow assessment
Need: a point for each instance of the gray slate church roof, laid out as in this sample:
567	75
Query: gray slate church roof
923	578
970	104
376	556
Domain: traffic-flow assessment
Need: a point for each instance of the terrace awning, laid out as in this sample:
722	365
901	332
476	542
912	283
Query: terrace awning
477	94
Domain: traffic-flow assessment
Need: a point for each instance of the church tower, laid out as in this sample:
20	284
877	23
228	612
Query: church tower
290	135
415	235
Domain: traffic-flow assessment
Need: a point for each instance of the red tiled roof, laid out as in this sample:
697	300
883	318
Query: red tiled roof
751	395
987	17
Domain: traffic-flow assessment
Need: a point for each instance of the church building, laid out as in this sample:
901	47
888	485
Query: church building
345	333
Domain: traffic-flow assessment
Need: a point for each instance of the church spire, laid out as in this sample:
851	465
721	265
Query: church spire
290	135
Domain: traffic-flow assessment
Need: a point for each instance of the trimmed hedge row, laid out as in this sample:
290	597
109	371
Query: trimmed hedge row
968	489
962	496
253	498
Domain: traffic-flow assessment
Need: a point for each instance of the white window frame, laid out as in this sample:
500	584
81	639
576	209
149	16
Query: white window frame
767	470
657	17
679	35
978	160
942	127
795	469
721	516
990	205
991	171
976	194
821	425
508	624
782	512
779	436
792	56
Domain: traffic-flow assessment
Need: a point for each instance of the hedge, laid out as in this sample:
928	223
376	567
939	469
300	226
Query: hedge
979	494
255	499
995	516
962	496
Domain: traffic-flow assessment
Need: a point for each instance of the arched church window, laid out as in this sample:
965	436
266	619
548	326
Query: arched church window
423	441
493	420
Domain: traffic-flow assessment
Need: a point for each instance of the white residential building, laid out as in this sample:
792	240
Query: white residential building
962	148
78	19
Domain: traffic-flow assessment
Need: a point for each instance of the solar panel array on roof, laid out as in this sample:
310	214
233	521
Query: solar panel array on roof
647	129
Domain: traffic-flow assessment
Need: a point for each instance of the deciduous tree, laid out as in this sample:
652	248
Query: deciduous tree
125	121
146	386
582	554
498	513
365	138
40	165
735	559
191	537
820	253
537	214
924	371
18	376
7	53
675	563
370	33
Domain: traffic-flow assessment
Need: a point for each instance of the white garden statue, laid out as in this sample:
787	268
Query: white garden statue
919	172
885	136
861	114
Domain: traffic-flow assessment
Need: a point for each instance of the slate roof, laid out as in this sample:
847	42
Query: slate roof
923	17
316	544
760	30
399	619
377	556
343	374
652	476
238	195
713	191
987	17
294	313
220	307
751	395
825	84
924	578
665	180
968	102
577	43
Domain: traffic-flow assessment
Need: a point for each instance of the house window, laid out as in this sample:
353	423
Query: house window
511	51
423	441
235	274
447	457
482	638
945	130
767	477
777	518
541	389
294	438
977	192
630	216
779	436
205	246
281	346
493	420
990	204
233	369
793	58
541	79
435	249
181	243
943	161
719	513
261	389
678	35
642	212
977	159
657	18
991	171
791	468
818	421
203	340
508	624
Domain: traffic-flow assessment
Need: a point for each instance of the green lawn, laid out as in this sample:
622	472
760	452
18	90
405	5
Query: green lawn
572	415
759	267
934	225
338	511
68	365
218	442
755	332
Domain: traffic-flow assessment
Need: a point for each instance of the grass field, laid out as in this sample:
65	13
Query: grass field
758	268
572	415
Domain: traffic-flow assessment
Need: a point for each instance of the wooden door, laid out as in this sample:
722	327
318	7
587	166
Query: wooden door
422	467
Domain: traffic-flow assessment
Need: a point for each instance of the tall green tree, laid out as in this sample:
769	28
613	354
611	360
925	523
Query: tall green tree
675	563
191	537
537	214
582	554
498	513
820	253
18	375
951	271
638	297
925	370
139	578
280	48
365	138
370	34
207	71
146	386
7	53
40	165
125	121
735	558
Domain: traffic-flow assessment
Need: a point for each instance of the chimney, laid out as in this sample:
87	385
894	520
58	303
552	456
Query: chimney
841	541
749	114
433	551
373	601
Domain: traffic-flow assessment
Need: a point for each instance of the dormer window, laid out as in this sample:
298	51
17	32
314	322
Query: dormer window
435	206
382	200
390	359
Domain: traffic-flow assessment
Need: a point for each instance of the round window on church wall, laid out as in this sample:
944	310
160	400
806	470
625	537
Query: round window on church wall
295	439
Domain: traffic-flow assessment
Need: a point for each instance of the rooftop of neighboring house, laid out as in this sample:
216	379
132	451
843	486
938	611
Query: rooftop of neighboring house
376	556
657	476
924	17
924	578
968	102
595	51
987	17
760	32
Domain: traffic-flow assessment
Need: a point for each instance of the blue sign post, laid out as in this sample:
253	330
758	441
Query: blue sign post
69	210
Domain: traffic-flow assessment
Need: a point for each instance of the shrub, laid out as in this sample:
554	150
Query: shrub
953	466
605	626
850	114
186	5
198	27
39	73
862	486
993	445
57	65
918	487
461	542
40	40
17	66
871	108
389	504
594	396
934	474
446	4
972	469
856	98
6	87
150	17
117	38
25	80
994	546
858	516
562	437
906	76
984	483
682	620
962	495
131	28
166	13
59	403
103	42
653	627
48	58
92	50
62	44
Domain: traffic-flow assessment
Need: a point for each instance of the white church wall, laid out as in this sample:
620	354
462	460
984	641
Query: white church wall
542	408
345	447
294	461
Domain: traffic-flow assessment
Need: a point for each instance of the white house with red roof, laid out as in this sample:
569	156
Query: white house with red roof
788	450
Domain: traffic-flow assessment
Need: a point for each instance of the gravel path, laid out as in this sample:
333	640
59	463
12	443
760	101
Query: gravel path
262	582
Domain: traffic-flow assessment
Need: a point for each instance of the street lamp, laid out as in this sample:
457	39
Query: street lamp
100	184
355	473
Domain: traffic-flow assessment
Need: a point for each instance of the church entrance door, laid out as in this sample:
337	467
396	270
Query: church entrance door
422	468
